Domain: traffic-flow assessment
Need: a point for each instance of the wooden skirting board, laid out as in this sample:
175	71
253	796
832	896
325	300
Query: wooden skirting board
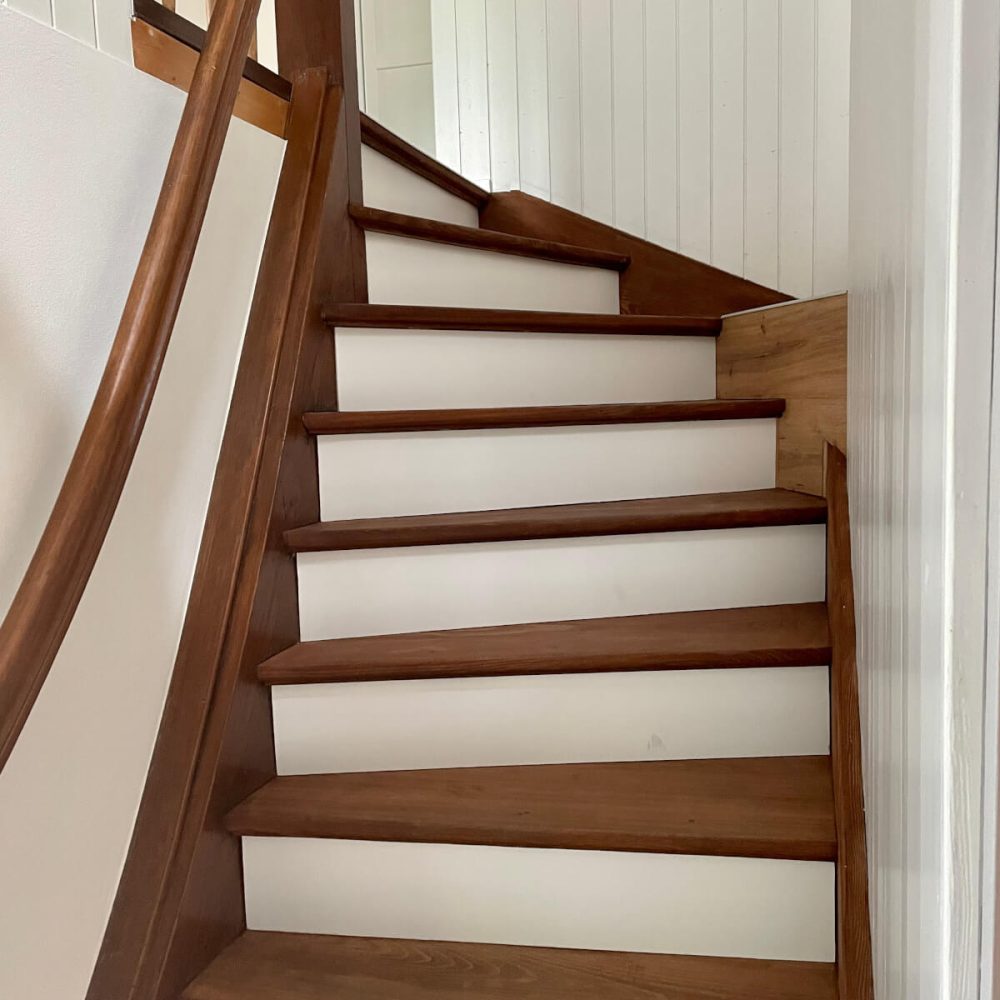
157	53
797	351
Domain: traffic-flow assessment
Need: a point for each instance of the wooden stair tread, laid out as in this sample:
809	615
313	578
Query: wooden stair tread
784	635
362	314
746	509
380	221
487	418
775	807
376	136
271	966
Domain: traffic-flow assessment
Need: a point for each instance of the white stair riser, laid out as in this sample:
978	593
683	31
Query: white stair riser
393	188
414	272
420	369
370	592
376	475
478	722
736	907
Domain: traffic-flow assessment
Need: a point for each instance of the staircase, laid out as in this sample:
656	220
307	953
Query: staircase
561	698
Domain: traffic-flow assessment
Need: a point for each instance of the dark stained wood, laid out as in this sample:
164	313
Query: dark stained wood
516	320
380	421
262	966
379	221
786	635
376	136
163	18
171	880
321	33
854	949
773	807
658	280
747	509
54	581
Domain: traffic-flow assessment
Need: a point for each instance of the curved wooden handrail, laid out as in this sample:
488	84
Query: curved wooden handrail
47	599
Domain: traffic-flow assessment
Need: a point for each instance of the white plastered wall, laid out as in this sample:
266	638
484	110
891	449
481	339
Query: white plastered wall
84	142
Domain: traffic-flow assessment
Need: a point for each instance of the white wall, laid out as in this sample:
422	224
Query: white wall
84	144
922	220
395	67
715	127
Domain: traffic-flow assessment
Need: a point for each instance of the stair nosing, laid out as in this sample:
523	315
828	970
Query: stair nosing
583	520
383	316
509	417
418	228
329	661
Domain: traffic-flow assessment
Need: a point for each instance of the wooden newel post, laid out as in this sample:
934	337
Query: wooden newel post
322	33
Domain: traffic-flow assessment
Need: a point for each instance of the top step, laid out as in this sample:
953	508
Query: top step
379	138
411	226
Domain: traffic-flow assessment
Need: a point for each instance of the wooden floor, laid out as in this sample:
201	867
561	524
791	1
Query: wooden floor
265	966
773	807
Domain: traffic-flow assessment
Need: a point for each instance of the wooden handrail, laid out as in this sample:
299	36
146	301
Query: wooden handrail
46	601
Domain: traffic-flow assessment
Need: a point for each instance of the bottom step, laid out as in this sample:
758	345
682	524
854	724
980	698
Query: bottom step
265	966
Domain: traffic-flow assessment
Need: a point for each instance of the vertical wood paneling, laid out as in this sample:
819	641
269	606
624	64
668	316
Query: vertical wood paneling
661	122
369	58
596	110
728	46
112	27
629	112
533	97
39	10
444	44
359	38
833	105
797	165
563	34
694	59
473	92
501	44
75	18
714	127
760	242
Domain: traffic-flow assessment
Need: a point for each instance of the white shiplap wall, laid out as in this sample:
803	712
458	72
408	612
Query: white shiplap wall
105	24
715	127
101	24
921	357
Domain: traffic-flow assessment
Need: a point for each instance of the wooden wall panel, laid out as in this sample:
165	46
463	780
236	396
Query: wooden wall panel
661	122
596	111
628	136
563	33
797	351
714	127
502	80
761	124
